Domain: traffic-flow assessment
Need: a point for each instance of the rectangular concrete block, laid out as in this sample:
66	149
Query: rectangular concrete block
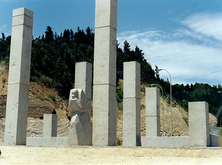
199	124
50	125
106	13
215	141
152	125
105	56
22	11
22	20
19	77
131	122
161	142
152	101
16	114
166	142
83	77
104	115
20	55
182	141
131	77
47	141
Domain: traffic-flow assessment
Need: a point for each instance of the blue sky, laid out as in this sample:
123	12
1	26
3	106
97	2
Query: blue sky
183	37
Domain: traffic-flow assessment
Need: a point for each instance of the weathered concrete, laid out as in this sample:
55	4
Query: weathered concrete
166	142
131	104
199	124
47	141
215	141
76	135
152	111
104	80
19	77
83	78
49	125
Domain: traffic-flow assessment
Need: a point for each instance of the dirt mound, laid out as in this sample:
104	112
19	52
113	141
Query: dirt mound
42	99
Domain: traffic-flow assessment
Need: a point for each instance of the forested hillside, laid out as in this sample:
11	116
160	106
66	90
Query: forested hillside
54	57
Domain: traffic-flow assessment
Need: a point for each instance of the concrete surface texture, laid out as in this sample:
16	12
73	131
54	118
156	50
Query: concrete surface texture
50	125
152	111
199	123
19	77
131	104
104	78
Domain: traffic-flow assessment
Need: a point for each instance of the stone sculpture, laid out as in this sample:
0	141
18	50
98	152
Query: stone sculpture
79	107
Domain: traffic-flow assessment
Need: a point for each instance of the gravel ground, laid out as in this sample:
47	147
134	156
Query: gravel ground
108	155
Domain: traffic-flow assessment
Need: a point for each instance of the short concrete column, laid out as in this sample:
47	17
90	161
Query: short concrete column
19	77
131	104
152	111
199	124
49	125
104	80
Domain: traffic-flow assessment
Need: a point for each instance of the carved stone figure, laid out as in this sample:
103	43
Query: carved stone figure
80	131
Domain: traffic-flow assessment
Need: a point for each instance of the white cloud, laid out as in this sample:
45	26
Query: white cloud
207	24
190	55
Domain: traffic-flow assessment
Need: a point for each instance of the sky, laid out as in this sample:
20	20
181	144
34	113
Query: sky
182	37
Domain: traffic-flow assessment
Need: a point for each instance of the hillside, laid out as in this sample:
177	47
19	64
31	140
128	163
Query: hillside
43	100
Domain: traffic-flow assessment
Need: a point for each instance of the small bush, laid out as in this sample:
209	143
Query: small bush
142	106
51	96
120	106
142	89
118	141
46	81
63	98
40	95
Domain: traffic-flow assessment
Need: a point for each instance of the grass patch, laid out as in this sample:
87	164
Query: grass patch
40	95
51	96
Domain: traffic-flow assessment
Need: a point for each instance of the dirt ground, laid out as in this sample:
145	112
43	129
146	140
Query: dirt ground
109	155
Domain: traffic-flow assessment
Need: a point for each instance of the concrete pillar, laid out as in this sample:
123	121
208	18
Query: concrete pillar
83	77
152	111
131	104
49	125
83	80
199	124
104	80
19	75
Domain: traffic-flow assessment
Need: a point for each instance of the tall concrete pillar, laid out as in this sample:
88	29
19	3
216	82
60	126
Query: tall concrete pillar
152	111
19	76
104	80
131	104
199	124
